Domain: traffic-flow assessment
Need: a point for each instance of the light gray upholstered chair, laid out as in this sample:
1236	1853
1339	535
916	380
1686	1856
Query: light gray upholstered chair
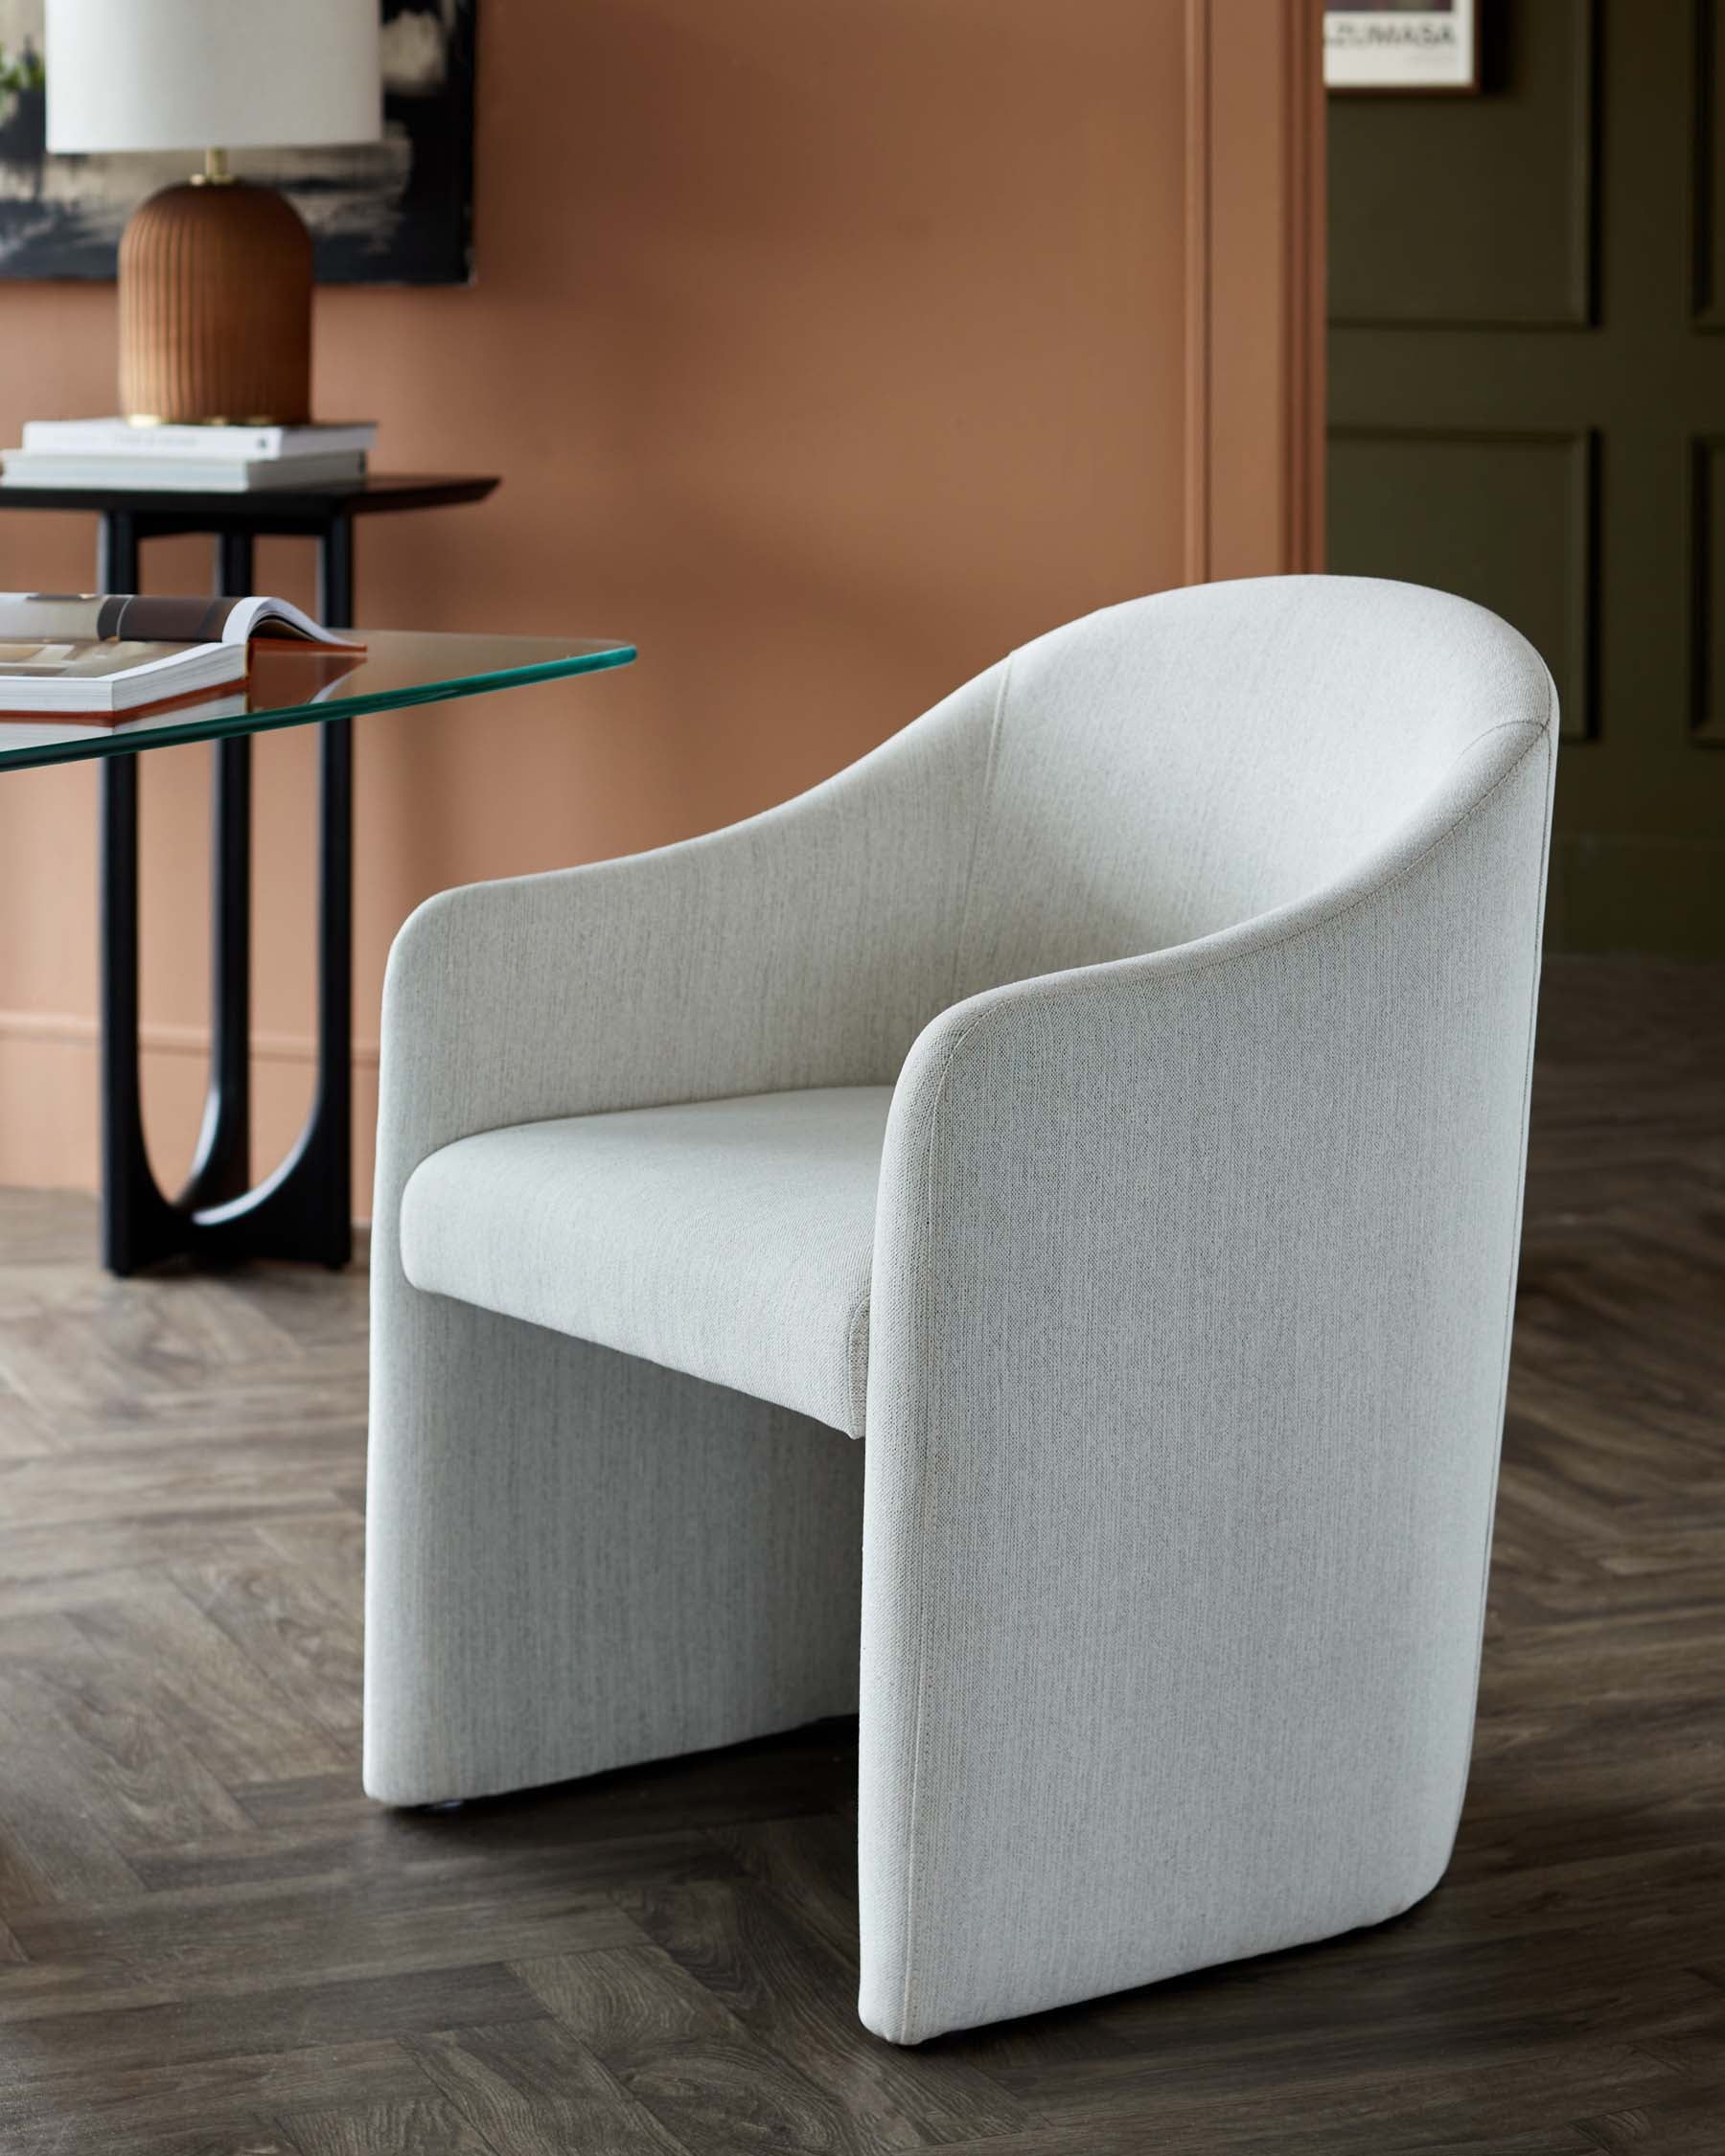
1110	1097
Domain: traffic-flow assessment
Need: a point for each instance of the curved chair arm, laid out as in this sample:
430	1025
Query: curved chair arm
805	947
1188	1341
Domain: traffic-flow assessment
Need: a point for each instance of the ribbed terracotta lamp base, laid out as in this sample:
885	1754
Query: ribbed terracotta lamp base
216	306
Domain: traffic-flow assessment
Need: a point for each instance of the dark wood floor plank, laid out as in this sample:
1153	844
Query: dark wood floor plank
418	2126
307	1646
336	1927
1691	2122
87	1348
1235	2134
245	1478
241	2141
26	1432
119	2112
532	2088
175	1659
35	1990
291	1402
1484	2108
797	1995
32	1555
1477	1999
810	1864
90	1771
442	1852
192	2031
1343	2088
684	2057
328	1548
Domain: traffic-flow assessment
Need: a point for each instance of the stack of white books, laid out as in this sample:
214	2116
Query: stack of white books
199	460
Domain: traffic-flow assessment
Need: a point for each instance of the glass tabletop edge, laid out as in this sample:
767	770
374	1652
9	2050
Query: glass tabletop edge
187	732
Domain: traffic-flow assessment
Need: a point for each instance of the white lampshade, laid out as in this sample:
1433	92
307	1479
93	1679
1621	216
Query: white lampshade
199	74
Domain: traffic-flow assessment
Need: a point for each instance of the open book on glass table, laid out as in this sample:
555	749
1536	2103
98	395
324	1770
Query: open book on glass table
96	658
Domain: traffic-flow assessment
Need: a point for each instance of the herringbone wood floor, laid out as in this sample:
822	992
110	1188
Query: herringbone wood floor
213	1945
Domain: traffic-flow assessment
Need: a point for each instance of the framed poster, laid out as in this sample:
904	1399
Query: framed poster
395	211
1401	45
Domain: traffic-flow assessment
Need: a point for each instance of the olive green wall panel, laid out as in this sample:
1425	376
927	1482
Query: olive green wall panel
1707	204
1420	230
1610	893
1507	518
1707	588
1526	395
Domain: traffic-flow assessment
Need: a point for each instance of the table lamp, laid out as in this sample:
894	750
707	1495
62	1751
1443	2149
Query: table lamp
214	274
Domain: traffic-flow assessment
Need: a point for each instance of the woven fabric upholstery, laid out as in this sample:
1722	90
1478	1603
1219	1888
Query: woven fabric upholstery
730	1239
1198	946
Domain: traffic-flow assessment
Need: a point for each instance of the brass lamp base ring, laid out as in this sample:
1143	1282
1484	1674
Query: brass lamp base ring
212	419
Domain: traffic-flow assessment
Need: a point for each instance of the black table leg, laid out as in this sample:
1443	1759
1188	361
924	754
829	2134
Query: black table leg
333	1110
305	1208
131	1206
222	1165
336	573
137	1222
117	551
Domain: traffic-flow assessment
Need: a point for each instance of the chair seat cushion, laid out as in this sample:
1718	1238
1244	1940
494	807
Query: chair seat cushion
730	1238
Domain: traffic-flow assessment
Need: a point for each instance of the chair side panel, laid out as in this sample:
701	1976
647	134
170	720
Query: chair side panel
1189	1337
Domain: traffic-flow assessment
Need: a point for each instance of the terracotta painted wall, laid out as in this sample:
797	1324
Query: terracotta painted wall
826	352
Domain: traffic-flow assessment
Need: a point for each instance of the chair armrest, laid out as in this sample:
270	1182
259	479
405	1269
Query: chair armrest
805	947
1187	1343
1115	1082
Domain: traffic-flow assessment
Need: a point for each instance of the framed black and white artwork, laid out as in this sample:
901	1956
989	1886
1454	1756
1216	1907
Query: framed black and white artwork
395	211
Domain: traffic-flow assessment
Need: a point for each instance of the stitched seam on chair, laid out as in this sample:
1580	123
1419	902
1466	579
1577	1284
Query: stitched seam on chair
1503	727
1549	737
970	869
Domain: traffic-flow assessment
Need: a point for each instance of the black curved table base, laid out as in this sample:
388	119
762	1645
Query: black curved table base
305	1208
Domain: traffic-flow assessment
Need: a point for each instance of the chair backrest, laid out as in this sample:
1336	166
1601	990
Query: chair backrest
1184	763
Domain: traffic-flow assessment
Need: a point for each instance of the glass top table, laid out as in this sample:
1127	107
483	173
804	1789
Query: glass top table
292	684
304	1208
